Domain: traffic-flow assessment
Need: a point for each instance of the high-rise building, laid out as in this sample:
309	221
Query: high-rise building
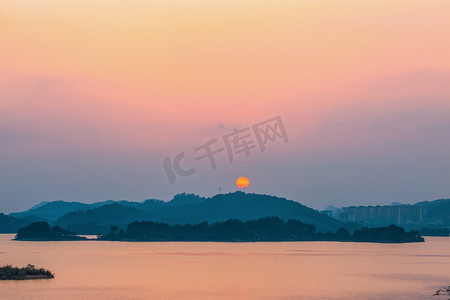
382	215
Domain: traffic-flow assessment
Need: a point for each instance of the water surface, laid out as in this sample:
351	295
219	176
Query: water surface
192	270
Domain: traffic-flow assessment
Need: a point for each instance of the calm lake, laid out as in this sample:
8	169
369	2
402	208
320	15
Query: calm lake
179	270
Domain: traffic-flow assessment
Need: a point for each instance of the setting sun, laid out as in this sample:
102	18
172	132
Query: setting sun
242	182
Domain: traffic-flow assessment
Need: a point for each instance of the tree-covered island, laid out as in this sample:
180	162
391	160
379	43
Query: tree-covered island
42	231
29	272
264	229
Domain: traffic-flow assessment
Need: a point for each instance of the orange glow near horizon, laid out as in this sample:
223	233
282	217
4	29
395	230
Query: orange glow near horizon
157	64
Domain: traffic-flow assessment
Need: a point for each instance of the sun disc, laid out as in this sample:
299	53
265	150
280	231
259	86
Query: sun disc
242	182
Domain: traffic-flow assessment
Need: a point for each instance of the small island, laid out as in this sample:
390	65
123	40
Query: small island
42	231
29	272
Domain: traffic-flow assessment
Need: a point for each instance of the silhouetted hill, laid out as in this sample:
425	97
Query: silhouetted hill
192	209
52	211
185	208
242	206
437	212
10	224
184	198
100	219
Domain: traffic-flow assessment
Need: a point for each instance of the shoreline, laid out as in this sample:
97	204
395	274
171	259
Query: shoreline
34	277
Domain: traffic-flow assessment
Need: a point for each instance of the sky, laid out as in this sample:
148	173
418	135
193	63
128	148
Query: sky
95	96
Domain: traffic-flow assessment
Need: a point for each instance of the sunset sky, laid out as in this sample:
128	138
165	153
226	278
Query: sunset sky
94	95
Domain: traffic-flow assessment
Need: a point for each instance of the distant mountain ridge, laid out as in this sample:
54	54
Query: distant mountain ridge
52	211
185	208
438	211
182	209
10	224
193	209
100	219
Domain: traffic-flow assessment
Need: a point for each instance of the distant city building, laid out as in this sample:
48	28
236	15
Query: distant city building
382	215
328	213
